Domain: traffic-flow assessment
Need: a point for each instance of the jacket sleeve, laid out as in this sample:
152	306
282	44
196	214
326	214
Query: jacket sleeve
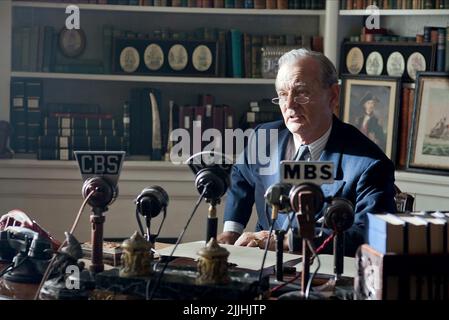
240	197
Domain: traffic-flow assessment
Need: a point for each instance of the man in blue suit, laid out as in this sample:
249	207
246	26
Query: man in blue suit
308	92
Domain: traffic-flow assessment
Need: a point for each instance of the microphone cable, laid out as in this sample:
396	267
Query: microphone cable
72	229
178	241
315	255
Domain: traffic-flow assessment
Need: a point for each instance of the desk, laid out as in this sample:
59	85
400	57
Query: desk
26	291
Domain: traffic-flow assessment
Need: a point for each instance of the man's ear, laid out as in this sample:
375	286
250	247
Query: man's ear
334	95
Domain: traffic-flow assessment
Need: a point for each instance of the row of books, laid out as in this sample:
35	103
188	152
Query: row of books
243	4
409	233
239	53
35	48
405	124
394	4
25	114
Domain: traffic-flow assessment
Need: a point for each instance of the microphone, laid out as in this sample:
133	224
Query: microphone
277	195
213	181
104	192
307	198
212	171
339	216
150	202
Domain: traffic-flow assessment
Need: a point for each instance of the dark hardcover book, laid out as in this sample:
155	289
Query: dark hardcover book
236	53
146	123
107	48
446	68
134	116
441	50
386	233
47	50
33	100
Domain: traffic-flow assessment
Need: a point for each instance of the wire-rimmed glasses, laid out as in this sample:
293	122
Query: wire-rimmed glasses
300	99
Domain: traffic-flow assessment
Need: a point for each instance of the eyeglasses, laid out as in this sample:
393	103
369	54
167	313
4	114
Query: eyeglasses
300	99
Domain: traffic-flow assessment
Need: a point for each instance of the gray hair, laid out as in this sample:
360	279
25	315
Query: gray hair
328	72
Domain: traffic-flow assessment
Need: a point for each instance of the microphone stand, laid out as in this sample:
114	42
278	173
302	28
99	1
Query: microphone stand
306	221
339	247
97	219
212	219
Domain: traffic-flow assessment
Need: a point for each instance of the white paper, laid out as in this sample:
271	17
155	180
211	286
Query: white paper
251	258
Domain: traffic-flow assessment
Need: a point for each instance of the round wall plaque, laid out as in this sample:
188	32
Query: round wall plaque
202	58
416	62
153	57
374	64
72	42
129	59
178	57
354	60
395	64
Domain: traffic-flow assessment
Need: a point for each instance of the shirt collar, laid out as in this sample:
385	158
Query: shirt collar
317	146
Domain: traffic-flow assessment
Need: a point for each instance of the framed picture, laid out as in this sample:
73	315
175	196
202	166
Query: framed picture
429	139
393	59
372	104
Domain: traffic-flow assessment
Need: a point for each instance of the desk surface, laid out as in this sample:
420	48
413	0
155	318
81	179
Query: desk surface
26	291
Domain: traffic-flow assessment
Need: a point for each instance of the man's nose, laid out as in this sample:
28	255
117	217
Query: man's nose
290	103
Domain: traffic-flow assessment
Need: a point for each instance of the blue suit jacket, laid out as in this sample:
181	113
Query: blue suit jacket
362	172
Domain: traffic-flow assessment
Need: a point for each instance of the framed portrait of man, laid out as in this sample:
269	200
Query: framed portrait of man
371	103
429	138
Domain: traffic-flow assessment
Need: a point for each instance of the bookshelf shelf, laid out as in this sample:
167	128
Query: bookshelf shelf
140	78
220	11
425	12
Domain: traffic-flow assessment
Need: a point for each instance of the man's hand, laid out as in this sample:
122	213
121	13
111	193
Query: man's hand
228	237
256	239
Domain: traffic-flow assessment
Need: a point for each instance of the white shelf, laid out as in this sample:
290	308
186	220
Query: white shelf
425	12
140	78
121	8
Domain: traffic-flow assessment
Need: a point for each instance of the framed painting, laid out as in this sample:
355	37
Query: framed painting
429	139
372	104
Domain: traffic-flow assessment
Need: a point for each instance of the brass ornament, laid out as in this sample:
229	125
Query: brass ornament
213	264
136	257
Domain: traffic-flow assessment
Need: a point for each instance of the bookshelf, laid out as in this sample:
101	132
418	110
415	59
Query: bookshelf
430	191
141	78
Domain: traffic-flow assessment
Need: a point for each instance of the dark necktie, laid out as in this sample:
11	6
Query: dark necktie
303	154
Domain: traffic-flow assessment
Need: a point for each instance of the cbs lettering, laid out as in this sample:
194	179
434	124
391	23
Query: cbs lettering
100	164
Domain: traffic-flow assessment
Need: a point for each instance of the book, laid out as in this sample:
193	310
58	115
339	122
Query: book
416	234
112	252
436	235
385	233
